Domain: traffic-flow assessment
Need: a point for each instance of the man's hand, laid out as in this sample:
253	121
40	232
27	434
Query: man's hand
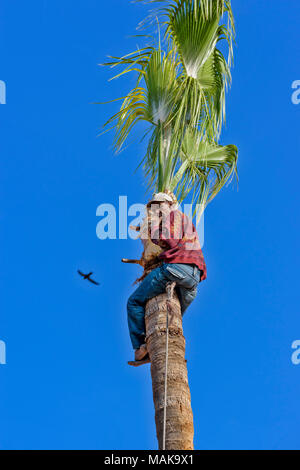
137	228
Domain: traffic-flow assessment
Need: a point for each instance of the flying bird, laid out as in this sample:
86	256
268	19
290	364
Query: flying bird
87	276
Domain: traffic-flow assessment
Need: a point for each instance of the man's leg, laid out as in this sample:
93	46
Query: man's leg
187	278
186	297
154	284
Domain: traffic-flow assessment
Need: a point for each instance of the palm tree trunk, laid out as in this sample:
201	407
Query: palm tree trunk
179	422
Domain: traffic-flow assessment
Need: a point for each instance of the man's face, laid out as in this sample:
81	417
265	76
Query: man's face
159	208
164	207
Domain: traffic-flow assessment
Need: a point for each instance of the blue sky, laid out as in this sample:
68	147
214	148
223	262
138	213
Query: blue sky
66	384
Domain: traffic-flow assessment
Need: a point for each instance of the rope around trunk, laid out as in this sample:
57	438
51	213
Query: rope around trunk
170	291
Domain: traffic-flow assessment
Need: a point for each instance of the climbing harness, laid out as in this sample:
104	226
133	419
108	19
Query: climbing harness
170	290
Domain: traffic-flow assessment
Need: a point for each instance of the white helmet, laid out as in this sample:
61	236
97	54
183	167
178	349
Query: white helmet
164	197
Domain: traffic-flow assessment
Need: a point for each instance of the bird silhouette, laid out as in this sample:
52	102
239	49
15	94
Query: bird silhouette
87	276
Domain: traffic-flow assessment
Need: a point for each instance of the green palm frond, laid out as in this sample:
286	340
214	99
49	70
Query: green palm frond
205	168
161	84
166	9
202	168
132	111
155	101
193	29
194	36
214	78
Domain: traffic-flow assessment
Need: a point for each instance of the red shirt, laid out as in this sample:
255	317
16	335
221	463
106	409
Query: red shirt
177	234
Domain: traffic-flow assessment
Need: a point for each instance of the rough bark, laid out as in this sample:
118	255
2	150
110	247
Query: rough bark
179	427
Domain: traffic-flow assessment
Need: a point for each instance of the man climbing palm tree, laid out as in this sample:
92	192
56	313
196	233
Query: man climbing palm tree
182	262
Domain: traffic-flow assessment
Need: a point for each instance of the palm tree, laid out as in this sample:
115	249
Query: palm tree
180	93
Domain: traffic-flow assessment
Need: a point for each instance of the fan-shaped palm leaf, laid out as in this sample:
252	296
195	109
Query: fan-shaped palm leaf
205	168
155	101
193	30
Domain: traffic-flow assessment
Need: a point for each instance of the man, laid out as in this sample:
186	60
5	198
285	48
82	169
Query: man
182	262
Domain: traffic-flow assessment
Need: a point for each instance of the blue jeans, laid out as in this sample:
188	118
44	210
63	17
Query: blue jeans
187	278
